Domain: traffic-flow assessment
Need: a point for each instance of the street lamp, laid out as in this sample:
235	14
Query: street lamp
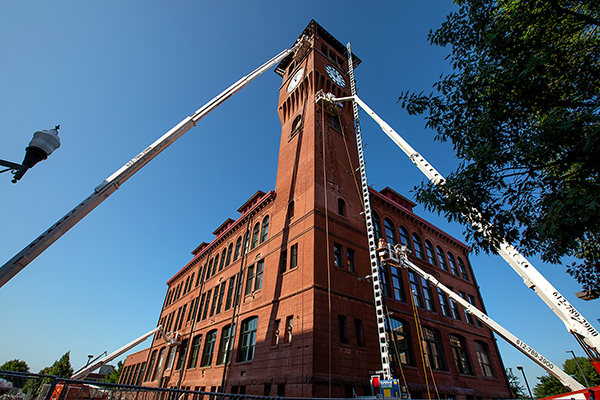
587	384
526	383
39	148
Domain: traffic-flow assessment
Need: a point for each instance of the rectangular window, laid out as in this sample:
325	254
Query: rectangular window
221	295
177	319
289	325
249	280
342	329
230	290
238	288
427	294
259	275
196	301
350	260
200	307
214	301
205	313
294	256
444	303
416	290
472	301
283	262
397	283
182	315
469	317
358	330
337	255
455	310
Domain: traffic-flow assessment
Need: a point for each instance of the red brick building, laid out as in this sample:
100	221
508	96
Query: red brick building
277	304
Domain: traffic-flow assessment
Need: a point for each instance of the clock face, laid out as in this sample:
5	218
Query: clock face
335	76
295	80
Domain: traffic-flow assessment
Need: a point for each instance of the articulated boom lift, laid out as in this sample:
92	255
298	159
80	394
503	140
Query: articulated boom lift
398	255
585	334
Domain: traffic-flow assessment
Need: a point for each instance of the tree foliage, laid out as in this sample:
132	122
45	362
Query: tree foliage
516	387
550	386
15	366
115	374
521	109
61	368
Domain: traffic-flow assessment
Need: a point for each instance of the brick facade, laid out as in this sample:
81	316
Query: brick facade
303	316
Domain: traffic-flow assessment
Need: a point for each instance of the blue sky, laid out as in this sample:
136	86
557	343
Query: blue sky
117	75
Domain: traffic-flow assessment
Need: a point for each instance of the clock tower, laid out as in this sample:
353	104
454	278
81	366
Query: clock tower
318	210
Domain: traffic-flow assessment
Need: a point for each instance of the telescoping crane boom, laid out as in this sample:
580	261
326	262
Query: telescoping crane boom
398	255
87	369
113	182
585	334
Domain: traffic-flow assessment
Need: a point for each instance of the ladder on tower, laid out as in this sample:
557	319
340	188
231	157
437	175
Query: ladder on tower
373	258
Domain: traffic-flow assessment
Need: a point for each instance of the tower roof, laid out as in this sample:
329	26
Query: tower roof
312	29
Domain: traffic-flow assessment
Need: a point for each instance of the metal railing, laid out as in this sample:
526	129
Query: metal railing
27	386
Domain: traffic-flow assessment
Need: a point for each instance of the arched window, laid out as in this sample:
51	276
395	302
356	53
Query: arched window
459	350
238	246
209	269
442	258
223	257
187	283
433	348
255	232
229	251
209	348
214	269
193	359
463	269
390	232
151	365
227	335
296	125
399	330
246	242
483	358
430	252
248	339
191	281
342	207
376	226
418	246
404	237
265	229
453	266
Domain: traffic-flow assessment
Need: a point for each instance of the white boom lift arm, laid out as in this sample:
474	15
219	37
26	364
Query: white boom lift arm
587	336
87	369
398	255
112	183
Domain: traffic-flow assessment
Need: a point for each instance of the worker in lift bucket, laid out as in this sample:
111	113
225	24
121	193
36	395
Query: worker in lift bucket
592	394
40	147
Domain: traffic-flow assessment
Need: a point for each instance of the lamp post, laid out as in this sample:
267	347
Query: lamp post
526	383
40	147
587	384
